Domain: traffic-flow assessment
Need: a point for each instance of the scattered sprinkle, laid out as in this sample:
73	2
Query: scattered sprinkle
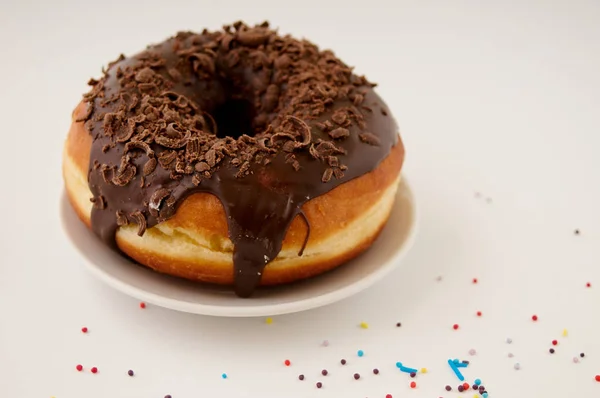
79	368
168	396
454	366
388	396
534	318
472	352
577	232
448	388
461	388
301	377
484	395
423	370
466	386
287	362
269	321
84	329
510	355
399	365
582	355
376	371
477	382
142	305
565	333
413	384
517	366
554	342
597	378
94	370
398	324
479	313
343	361
475	280
356	376
319	384
575	360
360	353
588	285
325	343
130	372
413	374
324	372
455	326
508	340
364	325
551	350
224	376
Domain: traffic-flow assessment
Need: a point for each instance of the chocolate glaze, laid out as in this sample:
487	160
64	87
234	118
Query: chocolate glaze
262	181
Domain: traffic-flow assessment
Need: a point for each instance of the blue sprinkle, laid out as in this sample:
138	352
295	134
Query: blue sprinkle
456	361
484	395
408	370
399	365
224	375
455	370
477	382
360	353
461	365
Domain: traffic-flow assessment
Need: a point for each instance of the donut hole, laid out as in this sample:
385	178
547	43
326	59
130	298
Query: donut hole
234	118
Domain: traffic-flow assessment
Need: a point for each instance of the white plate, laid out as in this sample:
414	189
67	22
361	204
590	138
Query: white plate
181	295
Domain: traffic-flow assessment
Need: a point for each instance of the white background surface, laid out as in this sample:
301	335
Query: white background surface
496	97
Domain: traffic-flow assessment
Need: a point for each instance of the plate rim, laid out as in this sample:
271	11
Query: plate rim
268	309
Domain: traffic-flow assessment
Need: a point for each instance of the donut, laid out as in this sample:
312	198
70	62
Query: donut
239	157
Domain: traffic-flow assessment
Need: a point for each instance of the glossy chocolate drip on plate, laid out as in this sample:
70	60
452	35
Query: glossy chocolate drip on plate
313	125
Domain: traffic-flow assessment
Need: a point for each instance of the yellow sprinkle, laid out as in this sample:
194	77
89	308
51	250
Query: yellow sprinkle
364	325
565	333
423	370
269	321
475	396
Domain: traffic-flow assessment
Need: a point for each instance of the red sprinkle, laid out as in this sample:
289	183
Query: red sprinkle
84	329
413	384
94	370
534	318
79	368
142	305
479	313
554	342
598	378
388	396
475	280
588	285
287	362
466	386
455	326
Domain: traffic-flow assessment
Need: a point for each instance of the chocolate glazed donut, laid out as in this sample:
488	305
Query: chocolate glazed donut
162	129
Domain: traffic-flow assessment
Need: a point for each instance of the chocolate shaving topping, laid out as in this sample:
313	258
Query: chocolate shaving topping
121	218
339	132
253	38
327	175
165	158
150	166
124	175
138	218
369	138
156	199
258	119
